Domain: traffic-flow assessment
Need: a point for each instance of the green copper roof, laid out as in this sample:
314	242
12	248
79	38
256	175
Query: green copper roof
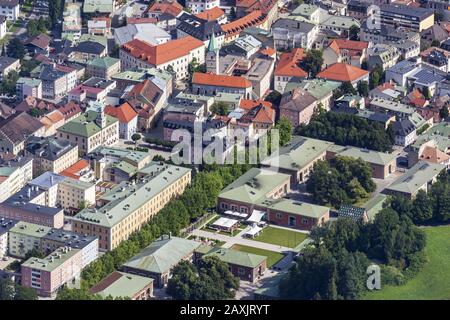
213	46
127	197
92	37
254	185
85	125
7	171
298	153
416	177
440	133
295	207
104	62
370	156
374	205
121	284
161	255
232	256
77	184
52	261
125	167
30	229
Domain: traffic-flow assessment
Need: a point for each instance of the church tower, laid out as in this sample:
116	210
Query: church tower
212	56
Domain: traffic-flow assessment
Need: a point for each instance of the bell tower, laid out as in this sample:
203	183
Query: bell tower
212	56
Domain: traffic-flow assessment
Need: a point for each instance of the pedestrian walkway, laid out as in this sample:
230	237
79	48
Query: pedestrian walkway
230	241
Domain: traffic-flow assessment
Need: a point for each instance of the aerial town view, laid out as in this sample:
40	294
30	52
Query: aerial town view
238	150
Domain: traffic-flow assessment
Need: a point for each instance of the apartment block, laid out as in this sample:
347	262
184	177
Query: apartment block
14	175
24	237
50	154
47	275
126	207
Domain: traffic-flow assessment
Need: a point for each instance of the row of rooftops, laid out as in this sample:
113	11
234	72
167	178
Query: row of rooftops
127	197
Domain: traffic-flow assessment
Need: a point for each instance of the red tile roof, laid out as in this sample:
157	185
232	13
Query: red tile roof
268	51
41	41
250	104
162	53
434	155
70	109
220	80
288	65
342	72
125	113
354	48
173	8
251	5
352	45
254	18
141	20
74	170
211	14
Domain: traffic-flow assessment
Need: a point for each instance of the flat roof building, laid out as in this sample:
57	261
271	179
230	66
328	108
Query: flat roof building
129	205
420	177
47	275
298	157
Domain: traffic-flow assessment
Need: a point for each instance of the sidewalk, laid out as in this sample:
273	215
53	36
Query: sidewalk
230	241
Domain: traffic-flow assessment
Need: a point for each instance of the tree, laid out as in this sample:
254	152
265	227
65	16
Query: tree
76	294
347	129
440	195
443	112
136	137
16	49
27	66
274	97
284	127
34	253
193	67
36	27
158	158
344	180
8	85
313	277
422	209
354	32
6	289
32	28
438	15
363	88
24	293
313	61
427	94
232	14
55	11
435	43
210	279
375	77
83	204
347	88
169	69
219	108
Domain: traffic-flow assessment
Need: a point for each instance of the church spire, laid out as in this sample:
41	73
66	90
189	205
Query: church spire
213	46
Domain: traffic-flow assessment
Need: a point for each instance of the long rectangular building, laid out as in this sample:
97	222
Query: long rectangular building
129	205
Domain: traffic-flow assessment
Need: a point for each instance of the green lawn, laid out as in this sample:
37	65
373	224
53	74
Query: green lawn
433	281
281	237
272	257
